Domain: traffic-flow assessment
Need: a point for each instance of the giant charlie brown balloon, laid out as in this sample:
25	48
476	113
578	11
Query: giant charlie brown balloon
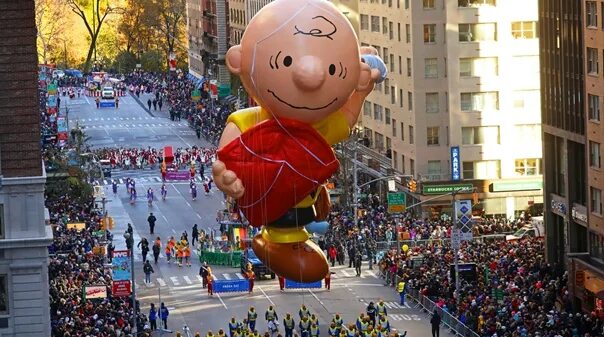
300	60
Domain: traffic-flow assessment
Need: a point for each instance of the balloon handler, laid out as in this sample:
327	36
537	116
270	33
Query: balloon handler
300	60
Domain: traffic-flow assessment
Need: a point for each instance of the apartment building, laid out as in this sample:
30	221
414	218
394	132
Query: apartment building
460	107
237	20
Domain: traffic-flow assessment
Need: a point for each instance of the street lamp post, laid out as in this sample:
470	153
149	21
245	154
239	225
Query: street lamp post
134	318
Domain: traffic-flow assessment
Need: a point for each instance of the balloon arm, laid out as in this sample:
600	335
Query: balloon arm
352	108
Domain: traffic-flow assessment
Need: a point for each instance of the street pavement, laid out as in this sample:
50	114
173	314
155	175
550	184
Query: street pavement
180	288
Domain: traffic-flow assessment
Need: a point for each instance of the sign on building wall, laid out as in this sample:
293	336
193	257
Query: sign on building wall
455	164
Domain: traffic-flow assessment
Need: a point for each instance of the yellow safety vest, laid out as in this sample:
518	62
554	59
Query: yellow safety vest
289	323
305	324
251	315
314	331
401	287
381	308
333	331
364	326
270	315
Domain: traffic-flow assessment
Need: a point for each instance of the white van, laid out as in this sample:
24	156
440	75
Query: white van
108	93
536	228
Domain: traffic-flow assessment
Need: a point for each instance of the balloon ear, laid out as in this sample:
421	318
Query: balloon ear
364	77
233	59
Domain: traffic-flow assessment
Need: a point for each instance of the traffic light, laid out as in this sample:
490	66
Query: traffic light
412	185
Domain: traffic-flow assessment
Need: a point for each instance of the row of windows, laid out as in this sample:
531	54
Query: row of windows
591	14
487	135
593	61
467	32
238	16
431	4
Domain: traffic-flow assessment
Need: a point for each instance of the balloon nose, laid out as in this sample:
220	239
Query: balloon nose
309	73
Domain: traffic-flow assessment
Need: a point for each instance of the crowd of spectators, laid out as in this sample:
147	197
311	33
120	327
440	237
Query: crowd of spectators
76	261
141	158
207	116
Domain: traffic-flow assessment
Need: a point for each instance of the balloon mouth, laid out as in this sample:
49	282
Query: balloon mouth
300	107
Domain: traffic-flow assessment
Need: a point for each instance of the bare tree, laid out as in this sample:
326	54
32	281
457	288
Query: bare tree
50	20
100	9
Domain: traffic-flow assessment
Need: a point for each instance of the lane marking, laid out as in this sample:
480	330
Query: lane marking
345	273
200	278
221	301
174	280
226	276
161	282
239	276
187	279
267	297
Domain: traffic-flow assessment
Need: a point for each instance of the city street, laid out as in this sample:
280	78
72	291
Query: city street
180	288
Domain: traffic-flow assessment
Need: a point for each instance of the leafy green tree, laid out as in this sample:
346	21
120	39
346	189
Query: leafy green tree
125	61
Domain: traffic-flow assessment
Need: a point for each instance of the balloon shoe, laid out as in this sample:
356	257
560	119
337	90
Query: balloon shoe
291	254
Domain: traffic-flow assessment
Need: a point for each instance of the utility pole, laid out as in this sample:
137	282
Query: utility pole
355	186
134	316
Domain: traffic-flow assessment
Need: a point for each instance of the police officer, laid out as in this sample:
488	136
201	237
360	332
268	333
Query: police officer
333	330
270	314
289	325
314	330
252	315
381	308
304	326
233	325
303	312
401	291
371	313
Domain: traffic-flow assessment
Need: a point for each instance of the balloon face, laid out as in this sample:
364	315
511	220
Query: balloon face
405	248
301	66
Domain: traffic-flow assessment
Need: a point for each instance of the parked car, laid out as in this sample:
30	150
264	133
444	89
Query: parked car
108	93
258	267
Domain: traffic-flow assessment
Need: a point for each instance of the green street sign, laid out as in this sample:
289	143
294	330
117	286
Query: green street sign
526	185
99	233
397	202
444	189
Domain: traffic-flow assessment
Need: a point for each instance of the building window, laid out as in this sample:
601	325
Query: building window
364	22
431	68
411	136
432	102
476	32
403	168
593	105
591	14
391	30
377	112
393	127
592	61
478	67
375	23
403	132
2	224
528	167
479	101
596	200
486	169
367	108
391	57
408	67
399	31
412	166
400	65
406	4
387	115
400	97
527	134
395	160
379	141
407	33
525	30
475	3
487	135
594	154
596	245
387	87
429	33
428	4
432	135
3	295
392	95
434	167
410	100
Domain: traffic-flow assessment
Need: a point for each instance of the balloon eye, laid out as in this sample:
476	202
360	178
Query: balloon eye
332	69
287	61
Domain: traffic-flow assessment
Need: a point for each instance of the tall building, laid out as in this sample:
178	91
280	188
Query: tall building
571	51
238	20
24	235
208	30
463	82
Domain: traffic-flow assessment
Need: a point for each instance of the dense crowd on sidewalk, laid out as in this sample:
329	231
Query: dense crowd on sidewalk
207	116
74	263
141	158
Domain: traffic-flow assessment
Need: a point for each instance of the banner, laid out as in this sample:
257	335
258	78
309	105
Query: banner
455	164
51	111
61	125
51	102
120	288
77	226
228	286
178	175
289	284
91	292
107	104
120	265
196	95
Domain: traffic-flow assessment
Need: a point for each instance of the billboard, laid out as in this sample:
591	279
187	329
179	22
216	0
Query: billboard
91	292
120	265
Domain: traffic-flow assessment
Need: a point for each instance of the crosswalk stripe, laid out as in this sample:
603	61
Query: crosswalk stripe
226	276
187	279
121	181
239	276
161	282
174	280
105	181
199	278
345	273
371	273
